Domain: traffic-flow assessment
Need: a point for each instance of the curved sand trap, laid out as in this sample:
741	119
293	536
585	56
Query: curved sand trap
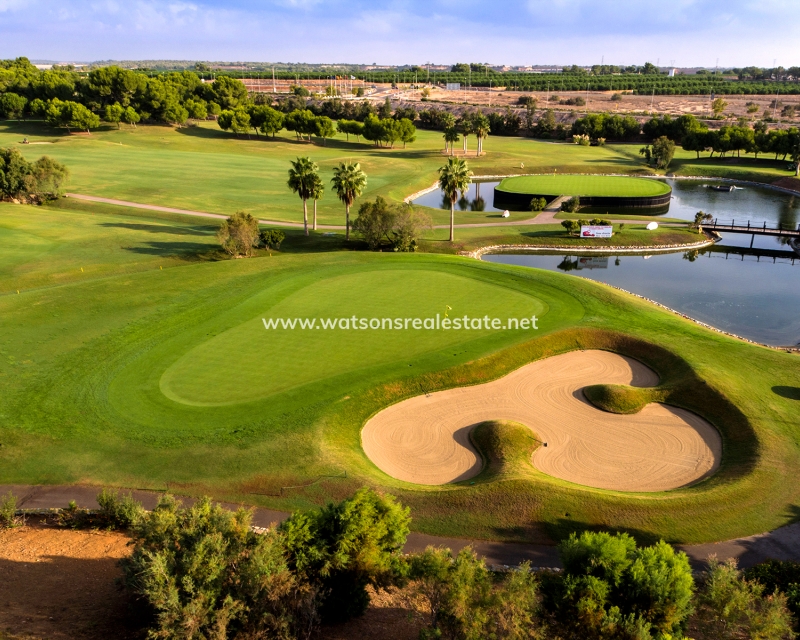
425	440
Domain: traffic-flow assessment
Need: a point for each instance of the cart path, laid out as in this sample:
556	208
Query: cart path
545	217
781	544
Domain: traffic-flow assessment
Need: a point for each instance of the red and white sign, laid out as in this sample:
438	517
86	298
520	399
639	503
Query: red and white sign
596	231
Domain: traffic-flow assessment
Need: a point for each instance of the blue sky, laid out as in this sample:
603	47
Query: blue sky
679	32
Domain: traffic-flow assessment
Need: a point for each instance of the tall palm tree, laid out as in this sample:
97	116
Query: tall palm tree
349	182
454	178
450	137
480	127
317	190
302	175
467	126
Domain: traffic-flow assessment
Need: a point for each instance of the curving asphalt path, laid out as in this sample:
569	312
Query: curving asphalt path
781	544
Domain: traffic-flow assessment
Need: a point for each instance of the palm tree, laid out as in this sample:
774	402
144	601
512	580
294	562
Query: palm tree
467	126
480	127
454	178
302	176
450	137
317	190
349	182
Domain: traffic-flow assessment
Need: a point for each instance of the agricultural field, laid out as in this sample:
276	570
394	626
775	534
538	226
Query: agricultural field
133	355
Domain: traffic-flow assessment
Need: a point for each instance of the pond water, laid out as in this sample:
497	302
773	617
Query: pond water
752	293
757	204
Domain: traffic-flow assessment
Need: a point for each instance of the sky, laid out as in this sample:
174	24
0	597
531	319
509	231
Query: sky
681	33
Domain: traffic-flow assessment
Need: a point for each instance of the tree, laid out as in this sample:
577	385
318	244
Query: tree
324	128
480	126
239	234
538	204
228	92
317	191
375	222
129	116
663	152
113	113
700	218
302	121
466	125
454	178
70	115
386	109
12	105
32	182
348	182
237	120
406	131
343	548
270	121
450	138
302	181
196	109
407	227
206	574
718	106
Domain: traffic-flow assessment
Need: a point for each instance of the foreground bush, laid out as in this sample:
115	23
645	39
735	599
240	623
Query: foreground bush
466	602
33	182
729	607
780	576
611	589
206	574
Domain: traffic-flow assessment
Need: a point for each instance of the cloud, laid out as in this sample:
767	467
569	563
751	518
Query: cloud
691	32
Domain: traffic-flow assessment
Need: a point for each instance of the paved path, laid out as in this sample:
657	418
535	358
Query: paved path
781	544
545	217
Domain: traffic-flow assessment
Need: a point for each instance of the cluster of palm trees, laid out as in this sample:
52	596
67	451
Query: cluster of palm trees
468	124
349	182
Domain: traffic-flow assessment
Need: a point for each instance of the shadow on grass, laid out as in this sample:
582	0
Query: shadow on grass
191	251
792	393
154	228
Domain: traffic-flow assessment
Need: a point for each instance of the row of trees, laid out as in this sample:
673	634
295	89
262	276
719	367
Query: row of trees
204	573
33	182
170	97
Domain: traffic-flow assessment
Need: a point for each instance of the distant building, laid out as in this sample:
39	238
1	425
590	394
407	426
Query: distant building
453	86
672	73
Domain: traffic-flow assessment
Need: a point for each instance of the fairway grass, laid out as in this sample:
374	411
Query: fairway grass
148	369
203	168
584	186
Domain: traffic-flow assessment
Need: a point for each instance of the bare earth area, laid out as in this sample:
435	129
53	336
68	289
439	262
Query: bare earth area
425	439
57	583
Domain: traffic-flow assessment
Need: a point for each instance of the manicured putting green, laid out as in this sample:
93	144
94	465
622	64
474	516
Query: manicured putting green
585	186
211	374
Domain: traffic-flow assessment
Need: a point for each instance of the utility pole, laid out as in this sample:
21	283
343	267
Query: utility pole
274	89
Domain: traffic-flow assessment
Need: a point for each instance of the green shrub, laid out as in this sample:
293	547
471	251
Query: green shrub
206	574
571	205
272	238
118	512
730	607
611	589
538	204
343	548
8	511
780	576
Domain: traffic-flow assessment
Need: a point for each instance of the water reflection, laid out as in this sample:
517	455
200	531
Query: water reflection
751	292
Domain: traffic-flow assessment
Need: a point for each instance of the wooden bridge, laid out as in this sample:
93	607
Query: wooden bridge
754	229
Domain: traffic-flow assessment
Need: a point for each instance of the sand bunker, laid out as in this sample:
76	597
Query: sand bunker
425	440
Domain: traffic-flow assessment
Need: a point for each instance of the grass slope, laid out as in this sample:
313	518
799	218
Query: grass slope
585	186
84	355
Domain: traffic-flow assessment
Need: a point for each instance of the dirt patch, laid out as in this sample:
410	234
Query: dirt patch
62	584
425	439
57	583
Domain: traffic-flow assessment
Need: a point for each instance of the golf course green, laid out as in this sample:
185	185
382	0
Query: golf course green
612	191
135	356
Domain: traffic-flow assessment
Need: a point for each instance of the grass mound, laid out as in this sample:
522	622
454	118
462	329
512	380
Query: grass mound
621	398
505	446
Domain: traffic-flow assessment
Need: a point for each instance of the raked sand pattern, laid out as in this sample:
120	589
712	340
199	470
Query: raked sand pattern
425	439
